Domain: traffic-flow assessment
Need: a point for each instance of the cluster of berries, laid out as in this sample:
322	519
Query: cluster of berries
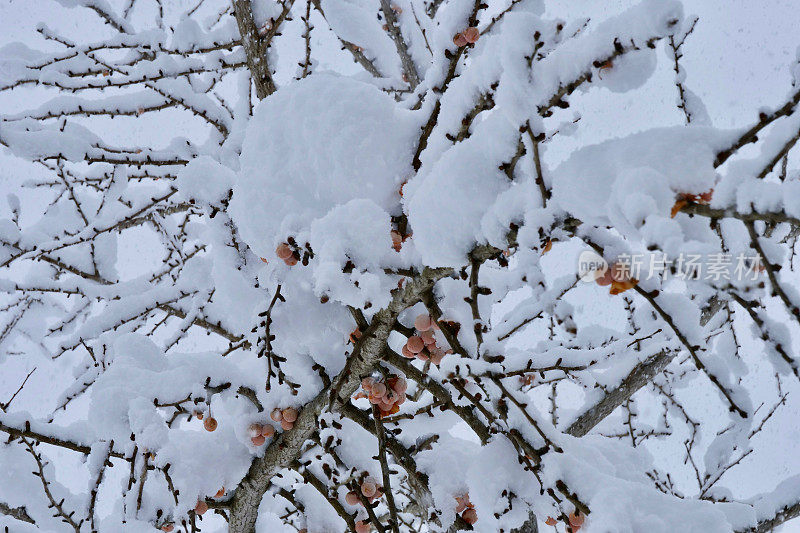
618	276
369	489
210	423
468	36
465	508
259	433
386	395
423	344
575	519
286	417
285	252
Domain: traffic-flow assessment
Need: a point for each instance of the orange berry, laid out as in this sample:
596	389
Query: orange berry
258	441
290	414
367	383
470	516
459	40
291	260
254	430
167	528
286	426
210	423
415	344
352	498
283	251
200	508
471	34
276	415
267	431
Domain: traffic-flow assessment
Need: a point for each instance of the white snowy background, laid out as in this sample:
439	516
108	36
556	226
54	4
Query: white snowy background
736	61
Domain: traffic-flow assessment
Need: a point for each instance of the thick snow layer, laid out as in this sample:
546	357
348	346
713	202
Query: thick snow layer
206	180
623	182
354	143
337	191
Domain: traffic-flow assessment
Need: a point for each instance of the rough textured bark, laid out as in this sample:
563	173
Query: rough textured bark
765	526
286	448
255	48
20	513
638	378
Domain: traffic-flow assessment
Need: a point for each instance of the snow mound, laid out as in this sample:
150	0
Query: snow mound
315	145
622	182
205	180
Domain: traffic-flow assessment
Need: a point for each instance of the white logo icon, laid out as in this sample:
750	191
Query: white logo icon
591	265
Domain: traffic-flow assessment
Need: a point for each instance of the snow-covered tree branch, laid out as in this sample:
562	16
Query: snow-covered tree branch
367	265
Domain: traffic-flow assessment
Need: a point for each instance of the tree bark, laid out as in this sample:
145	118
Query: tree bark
286	448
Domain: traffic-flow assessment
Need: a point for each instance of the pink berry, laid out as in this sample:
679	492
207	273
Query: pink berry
352	498
423	323
361	527
200	508
400	386
367	383
286	425
605	278
423	355
254	430
470	516
408	354
258	441
368	489
276	415
459	40
267	431
471	34
283	251
415	344
290	261
379	389
290	414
